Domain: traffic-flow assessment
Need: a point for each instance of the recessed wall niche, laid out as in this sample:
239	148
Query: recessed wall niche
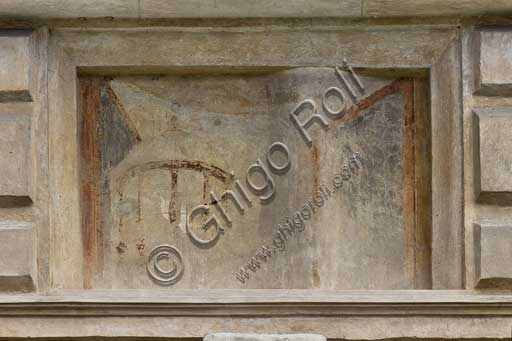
155	148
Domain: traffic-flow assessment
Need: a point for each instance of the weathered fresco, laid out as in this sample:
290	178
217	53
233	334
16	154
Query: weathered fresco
155	148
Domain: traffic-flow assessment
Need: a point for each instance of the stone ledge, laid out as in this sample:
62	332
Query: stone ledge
143	9
404	328
252	303
357	315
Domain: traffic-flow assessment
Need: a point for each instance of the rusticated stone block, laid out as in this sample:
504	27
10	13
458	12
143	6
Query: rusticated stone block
493	133
14	165
16	256
235	8
263	337
493	61
424	8
14	66
494	256
69	9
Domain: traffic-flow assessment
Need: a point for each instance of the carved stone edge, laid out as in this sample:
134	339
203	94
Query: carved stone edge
260	303
161	9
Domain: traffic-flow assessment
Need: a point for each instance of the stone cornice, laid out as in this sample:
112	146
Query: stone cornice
246	303
151	9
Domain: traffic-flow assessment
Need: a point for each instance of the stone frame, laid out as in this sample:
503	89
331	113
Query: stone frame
431	50
105	51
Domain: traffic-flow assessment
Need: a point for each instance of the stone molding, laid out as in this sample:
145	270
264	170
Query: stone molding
146	9
264	302
355	315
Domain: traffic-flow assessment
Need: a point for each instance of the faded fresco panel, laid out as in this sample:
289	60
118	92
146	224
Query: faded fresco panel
155	148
